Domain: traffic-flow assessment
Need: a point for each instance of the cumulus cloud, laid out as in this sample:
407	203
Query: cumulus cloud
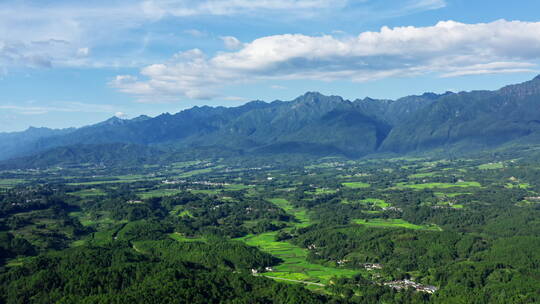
448	49
231	43
63	33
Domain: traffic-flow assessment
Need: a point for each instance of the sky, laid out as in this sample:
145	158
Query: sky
73	63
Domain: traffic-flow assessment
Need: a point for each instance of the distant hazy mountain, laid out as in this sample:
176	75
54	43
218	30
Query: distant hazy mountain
312	123
20	143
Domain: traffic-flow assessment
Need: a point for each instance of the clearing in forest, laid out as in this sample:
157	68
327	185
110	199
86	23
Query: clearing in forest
395	223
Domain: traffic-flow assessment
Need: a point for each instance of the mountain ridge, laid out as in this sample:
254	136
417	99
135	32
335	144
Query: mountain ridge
317	124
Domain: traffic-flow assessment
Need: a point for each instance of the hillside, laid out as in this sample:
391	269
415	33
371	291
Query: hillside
312	124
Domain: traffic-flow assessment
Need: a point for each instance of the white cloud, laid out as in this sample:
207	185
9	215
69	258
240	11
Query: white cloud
447	48
63	107
74	33
426	4
195	33
182	8
121	115
231	43
83	52
234	98
491	68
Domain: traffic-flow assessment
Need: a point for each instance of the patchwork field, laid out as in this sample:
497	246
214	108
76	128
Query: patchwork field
10	182
394	223
439	185
294	266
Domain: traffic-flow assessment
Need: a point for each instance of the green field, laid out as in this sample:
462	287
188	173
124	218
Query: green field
321	191
158	193
491	166
10	182
237	187
356	185
89	193
453	205
299	213
294	264
439	185
181	238
207	191
393	223
375	201
422	175
520	185
87	221
197	172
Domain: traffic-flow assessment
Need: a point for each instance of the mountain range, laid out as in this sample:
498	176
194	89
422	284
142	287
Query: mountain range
310	124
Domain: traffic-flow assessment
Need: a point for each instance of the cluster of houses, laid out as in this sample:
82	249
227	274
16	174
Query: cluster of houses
367	266
204	183
373	266
405	284
257	271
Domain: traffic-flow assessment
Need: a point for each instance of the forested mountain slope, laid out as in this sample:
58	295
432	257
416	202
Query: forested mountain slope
317	124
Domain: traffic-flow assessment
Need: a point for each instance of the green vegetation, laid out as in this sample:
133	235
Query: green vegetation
89	193
321	191
158	193
308	233
181	238
422	175
356	185
439	185
519	185
491	166
294	265
10	182
451	194
300	214
394	223
375	201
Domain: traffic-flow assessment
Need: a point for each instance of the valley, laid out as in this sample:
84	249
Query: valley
317	224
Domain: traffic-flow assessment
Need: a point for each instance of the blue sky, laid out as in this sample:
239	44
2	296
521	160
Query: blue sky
72	63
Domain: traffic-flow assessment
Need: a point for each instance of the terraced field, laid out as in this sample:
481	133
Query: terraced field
299	213
294	266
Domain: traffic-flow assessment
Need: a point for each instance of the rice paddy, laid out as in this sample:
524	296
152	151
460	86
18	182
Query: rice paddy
294	266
